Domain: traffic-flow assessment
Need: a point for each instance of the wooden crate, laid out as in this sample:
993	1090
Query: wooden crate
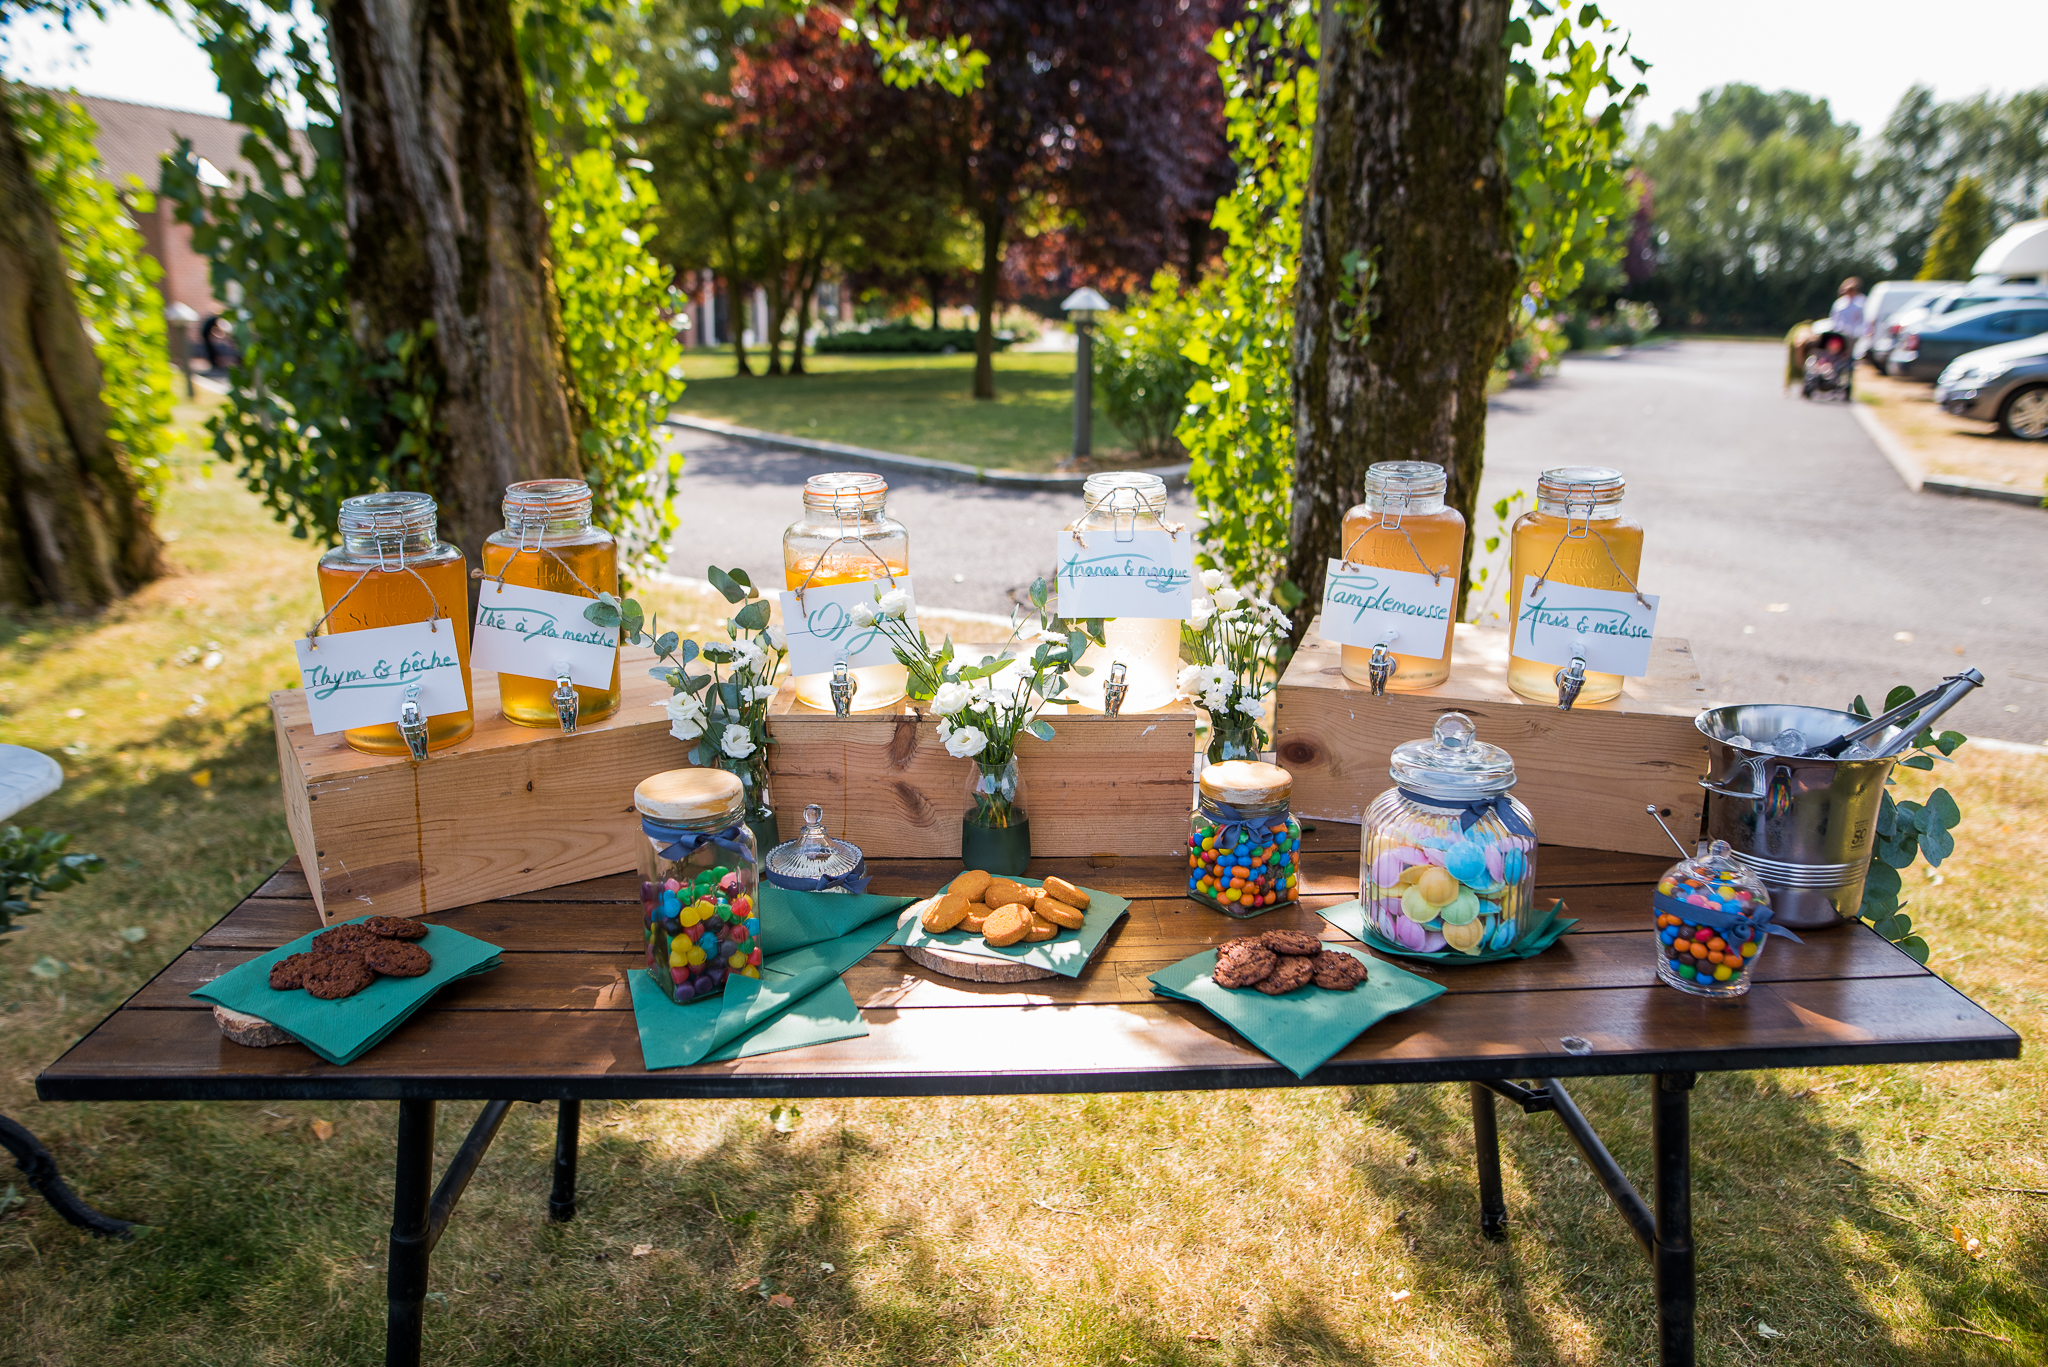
1100	785
511	809
1585	775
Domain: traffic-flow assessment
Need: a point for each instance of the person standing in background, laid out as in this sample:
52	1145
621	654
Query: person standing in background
1846	317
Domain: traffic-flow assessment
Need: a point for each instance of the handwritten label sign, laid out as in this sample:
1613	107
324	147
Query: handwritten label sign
1150	575
1407	612
541	635
359	678
822	631
1612	629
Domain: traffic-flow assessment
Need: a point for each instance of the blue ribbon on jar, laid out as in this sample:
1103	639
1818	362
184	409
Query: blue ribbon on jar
1232	821
1498	804
854	880
1748	927
684	841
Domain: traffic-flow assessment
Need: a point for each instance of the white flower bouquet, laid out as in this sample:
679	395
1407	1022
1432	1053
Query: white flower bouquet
1234	641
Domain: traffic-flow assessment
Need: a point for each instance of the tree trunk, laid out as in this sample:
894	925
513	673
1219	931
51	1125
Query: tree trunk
992	222
74	531
933	284
1407	272
446	226
734	291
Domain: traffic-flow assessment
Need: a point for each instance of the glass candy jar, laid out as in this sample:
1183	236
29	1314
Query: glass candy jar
1118	503
548	543
699	882
1713	920
1577	536
1244	845
846	536
1448	858
815	862
392	568
1404	525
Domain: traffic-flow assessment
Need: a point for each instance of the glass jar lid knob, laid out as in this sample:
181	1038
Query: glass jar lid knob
1454	731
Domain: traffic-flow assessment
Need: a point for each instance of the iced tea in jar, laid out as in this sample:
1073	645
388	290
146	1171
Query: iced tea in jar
1405	525
1147	647
390	569
548	543
846	536
1576	535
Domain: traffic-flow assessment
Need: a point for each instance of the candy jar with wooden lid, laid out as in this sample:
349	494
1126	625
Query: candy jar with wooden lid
846	536
1117	503
1576	536
1244	845
1448	857
391	569
1713	921
1404	525
548	543
699	882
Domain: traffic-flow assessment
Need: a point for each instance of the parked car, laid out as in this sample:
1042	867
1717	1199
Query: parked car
1940	305
1887	300
2006	384
1925	351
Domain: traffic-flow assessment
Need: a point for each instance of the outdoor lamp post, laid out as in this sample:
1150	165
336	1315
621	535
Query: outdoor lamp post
181	317
1082	306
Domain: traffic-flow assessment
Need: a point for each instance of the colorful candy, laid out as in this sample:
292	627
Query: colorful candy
1430	883
701	929
1712	923
1243	868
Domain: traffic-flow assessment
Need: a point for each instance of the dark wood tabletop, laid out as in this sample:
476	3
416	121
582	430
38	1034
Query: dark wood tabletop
556	1021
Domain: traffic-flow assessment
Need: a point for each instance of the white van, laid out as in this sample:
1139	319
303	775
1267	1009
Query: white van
2018	257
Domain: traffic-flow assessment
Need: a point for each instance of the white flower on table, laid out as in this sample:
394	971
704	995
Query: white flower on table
966	742
894	603
1228	598
777	638
1188	683
685	716
746	655
863	614
1213	580
737	742
1252	707
1200	611
951	698
759	693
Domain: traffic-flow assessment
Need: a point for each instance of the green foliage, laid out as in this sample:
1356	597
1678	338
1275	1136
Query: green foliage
1908	832
113	278
1142	370
1960	235
33	862
901	337
949	62
1238	426
735	690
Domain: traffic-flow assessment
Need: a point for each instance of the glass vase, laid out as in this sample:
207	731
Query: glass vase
753	776
1232	737
995	834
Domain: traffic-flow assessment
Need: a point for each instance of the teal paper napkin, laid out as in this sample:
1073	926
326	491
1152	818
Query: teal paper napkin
340	1031
1066	956
791	920
1542	931
757	1015
1301	1029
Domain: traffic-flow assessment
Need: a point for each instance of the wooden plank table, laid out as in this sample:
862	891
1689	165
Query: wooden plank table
556	1023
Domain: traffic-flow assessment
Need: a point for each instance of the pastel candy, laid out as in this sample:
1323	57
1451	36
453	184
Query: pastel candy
1416	907
1431	942
1467	862
1437	887
1407	933
1462	910
1466	938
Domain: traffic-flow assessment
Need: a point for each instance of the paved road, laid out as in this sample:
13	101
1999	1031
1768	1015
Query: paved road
1749	500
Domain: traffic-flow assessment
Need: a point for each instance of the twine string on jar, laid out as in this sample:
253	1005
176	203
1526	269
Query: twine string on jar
1585	530
398	550
519	528
839	511
1393	523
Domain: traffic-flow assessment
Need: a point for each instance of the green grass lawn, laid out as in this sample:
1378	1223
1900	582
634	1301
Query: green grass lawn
1204	1230
915	405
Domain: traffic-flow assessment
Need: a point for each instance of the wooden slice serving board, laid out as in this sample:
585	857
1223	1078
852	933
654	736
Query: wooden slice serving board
975	968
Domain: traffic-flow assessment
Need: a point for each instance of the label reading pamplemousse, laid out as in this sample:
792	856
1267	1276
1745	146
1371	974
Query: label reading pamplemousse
359	678
1409	613
540	635
1152	574
1612	629
823	632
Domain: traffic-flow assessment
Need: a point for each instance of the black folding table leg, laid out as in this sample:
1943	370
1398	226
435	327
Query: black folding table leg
1493	1208
562	1200
1671	1143
411	1234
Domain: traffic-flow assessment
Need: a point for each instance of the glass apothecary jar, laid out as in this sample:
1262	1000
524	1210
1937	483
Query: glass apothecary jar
392	568
548	543
1244	845
846	536
1448	858
1405	525
699	882
1713	921
815	862
1576	535
1117	503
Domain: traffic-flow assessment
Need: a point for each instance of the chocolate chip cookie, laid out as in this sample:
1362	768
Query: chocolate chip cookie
289	974
1242	964
1338	971
1292	943
397	959
395	928
338	975
1288	973
342	940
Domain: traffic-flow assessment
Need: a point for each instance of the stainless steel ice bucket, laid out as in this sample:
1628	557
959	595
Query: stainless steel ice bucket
1805	827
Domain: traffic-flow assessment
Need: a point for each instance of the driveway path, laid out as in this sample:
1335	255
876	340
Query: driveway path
1782	543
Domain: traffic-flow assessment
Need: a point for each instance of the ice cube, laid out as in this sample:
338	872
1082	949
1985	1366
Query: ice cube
1790	741
1741	742
1860	750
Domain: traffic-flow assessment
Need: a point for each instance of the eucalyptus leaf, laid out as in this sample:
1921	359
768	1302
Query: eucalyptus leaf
740	577
1915	948
1899	696
1949	741
1936	845
1942	808
1916	762
752	617
726	585
1893	926
688	652
602	613
666	645
696	683
631	618
1860	707
1883	878
1041	729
